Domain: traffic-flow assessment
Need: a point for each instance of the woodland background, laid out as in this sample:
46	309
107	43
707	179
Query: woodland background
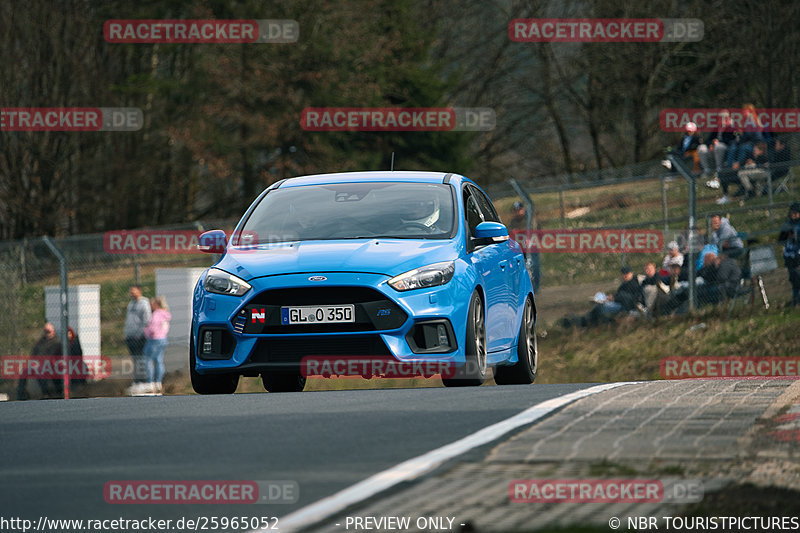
222	121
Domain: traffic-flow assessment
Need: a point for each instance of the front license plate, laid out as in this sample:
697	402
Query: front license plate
318	314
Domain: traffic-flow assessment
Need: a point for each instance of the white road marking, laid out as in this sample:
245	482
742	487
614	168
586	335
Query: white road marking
413	468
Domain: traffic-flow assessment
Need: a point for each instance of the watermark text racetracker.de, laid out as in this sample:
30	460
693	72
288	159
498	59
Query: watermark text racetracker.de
375	366
778	120
398	119
729	367
601	490
200	492
590	240
196	31
55	367
605	30
71	119
183	241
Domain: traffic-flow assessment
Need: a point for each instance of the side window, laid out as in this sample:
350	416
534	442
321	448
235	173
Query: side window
489	212
472	211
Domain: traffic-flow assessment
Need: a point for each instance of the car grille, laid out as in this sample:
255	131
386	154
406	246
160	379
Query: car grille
283	350
373	311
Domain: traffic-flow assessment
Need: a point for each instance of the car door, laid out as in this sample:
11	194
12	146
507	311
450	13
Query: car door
513	263
491	263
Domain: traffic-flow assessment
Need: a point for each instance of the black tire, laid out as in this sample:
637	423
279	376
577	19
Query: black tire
283	381
473	373
210	383
524	371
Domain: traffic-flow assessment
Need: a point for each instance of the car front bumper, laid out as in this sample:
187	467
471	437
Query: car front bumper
246	335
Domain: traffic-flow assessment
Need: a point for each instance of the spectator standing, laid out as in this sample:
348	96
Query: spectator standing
790	237
47	345
725	237
136	318
156	334
75	350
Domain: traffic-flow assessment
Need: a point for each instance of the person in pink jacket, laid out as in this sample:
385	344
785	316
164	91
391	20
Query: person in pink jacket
156	334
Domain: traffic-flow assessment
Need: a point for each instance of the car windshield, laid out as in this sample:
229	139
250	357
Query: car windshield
353	211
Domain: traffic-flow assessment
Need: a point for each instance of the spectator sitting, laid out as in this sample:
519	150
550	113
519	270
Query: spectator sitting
713	151
678	276
672	299
718	280
629	297
649	282
756	168
725	237
780	155
708	248
751	133
687	148
673	255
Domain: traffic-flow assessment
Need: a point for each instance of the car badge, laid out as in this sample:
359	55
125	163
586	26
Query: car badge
317	278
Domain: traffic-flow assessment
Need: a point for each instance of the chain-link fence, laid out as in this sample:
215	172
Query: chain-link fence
163	261
101	268
655	200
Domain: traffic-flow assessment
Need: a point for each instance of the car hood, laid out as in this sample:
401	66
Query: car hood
378	256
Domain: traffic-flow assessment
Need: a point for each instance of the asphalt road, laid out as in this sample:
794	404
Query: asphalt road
56	456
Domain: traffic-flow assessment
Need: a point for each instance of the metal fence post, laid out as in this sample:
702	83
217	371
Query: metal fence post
664	203
62	267
692	225
769	192
532	264
22	261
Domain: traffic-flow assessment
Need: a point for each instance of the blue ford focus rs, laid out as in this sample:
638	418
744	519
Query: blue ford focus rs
409	266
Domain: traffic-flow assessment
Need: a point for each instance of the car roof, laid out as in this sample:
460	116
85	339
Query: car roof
409	176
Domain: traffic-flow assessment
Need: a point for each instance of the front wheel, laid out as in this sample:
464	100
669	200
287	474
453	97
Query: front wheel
210	383
524	371
473	373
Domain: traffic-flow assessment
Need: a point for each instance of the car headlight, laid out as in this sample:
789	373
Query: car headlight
220	282
423	277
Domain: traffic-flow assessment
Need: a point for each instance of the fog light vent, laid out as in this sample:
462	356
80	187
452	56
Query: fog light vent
208	342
